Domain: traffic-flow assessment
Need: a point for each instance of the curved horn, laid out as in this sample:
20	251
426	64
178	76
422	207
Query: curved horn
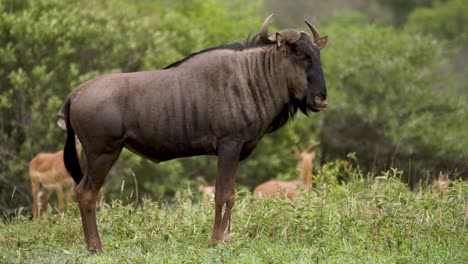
314	31
299	141
311	147
298	146
264	32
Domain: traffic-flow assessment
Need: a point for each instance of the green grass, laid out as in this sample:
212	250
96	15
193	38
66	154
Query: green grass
363	221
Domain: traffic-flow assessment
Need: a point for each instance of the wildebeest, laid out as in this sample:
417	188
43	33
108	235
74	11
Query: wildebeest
220	101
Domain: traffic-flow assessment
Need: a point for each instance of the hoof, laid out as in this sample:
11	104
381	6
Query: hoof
226	240
95	250
214	242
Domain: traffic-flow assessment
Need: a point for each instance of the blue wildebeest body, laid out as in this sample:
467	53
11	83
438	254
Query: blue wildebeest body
220	101
180	111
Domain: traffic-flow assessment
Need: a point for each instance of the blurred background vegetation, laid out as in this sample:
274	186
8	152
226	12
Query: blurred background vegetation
396	74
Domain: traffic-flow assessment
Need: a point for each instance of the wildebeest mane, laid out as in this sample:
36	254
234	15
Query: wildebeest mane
289	110
248	43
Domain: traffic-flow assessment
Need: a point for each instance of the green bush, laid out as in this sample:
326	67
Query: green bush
445	20
448	22
401	9
48	47
392	103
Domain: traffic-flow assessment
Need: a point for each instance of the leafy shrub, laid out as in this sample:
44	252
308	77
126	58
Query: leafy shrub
48	47
444	20
392	103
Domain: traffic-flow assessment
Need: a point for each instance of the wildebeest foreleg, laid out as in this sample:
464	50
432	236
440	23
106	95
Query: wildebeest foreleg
87	192
228	161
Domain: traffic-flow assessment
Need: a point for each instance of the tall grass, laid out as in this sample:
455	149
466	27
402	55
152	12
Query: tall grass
375	220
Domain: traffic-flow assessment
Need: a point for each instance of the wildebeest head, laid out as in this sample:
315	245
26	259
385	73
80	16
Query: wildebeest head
305	73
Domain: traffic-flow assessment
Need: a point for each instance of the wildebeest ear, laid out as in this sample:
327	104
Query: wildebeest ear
280	41
321	42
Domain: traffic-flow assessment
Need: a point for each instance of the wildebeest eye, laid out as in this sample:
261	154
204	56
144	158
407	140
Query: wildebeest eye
298	53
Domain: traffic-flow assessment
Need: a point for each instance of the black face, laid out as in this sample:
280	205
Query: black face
305	53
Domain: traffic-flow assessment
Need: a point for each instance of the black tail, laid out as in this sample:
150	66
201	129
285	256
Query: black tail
70	157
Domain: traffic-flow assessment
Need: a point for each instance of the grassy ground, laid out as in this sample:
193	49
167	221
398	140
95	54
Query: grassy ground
364	221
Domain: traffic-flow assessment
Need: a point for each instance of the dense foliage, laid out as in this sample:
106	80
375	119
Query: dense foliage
396	106
401	9
48	47
396	97
447	20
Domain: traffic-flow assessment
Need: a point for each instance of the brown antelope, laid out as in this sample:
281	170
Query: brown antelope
441	184
283	189
48	173
208	193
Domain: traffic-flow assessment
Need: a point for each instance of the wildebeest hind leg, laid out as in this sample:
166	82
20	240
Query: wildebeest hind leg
87	191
